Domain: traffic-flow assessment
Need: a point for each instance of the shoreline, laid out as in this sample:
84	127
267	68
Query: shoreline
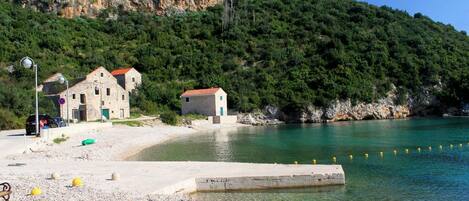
144	180
132	151
117	143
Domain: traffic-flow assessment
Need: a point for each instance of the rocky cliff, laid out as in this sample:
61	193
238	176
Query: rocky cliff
386	108
92	8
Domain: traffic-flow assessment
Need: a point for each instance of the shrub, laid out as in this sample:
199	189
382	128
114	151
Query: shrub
169	117
8	120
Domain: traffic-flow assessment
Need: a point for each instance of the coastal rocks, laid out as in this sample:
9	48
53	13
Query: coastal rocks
344	110
384	108
268	117
92	8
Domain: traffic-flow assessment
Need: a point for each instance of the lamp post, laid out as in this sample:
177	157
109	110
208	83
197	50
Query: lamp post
27	62
63	80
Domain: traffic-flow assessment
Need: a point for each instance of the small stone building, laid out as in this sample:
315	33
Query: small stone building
128	78
210	102
89	97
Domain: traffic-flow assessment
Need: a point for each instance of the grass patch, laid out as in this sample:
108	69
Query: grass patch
61	139
129	123
193	116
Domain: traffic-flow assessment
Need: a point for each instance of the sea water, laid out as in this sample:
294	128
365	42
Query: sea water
422	159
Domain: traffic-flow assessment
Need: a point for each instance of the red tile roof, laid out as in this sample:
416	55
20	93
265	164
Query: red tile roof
200	92
121	71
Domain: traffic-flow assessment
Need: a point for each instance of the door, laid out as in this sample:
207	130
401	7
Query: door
82	113
106	113
221	111
122	114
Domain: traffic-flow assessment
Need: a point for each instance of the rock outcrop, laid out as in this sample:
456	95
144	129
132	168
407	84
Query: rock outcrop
92	8
385	108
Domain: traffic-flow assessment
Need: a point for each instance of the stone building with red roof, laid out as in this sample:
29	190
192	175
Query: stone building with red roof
210	102
128	78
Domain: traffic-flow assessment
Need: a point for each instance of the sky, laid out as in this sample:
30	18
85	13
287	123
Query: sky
454	12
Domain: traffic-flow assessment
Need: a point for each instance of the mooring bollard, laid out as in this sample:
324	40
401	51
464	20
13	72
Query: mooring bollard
314	161
334	159
115	176
55	176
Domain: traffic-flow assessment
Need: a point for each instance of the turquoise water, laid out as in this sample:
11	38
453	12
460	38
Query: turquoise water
436	174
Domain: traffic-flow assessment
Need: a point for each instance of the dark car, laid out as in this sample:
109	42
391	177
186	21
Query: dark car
46	120
60	122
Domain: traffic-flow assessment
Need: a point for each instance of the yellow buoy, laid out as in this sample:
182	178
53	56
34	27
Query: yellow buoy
460	145
36	191
314	161
334	159
366	155
418	149
430	148
406	151
296	162
441	146
395	152
350	156
76	182
381	154
451	146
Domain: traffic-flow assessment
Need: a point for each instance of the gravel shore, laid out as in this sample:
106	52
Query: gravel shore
113	144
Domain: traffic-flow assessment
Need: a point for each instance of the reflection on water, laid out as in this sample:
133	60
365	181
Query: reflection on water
436	174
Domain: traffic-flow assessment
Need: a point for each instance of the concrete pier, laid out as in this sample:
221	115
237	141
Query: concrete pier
177	177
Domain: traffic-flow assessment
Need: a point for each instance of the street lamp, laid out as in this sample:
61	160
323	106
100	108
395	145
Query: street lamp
27	62
63	80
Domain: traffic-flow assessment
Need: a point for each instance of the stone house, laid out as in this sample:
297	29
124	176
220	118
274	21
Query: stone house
210	102
128	78
92	96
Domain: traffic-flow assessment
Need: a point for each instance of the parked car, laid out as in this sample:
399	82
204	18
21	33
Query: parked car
44	121
60	122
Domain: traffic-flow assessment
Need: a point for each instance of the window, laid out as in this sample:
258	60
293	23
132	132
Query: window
102	74
123	97
221	98
73	96
96	91
187	99
82	99
108	91
133	79
102	102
